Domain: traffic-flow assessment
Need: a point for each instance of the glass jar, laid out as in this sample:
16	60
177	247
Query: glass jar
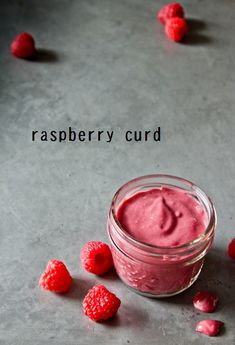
158	271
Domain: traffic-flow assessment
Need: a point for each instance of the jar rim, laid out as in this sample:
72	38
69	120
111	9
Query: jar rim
212	219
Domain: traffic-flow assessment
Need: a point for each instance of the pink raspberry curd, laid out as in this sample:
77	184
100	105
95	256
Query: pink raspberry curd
162	217
160	228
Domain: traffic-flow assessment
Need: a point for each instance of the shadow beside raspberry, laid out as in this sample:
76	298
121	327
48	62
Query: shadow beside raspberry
196	24
111	275
194	37
128	316
78	289
46	55
197	39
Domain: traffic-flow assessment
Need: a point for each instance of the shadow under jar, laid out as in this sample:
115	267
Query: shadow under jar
159	271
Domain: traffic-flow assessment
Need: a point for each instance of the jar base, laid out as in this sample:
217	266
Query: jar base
150	295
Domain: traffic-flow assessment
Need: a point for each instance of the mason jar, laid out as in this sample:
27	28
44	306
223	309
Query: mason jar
158	271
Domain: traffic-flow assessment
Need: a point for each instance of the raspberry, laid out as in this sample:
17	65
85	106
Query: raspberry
170	11
100	304
96	257
205	301
23	46
56	277
209	327
176	28
231	249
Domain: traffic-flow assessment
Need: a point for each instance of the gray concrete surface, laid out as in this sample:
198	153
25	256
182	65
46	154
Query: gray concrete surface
107	65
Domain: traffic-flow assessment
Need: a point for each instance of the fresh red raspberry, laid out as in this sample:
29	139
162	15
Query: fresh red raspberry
170	11
56	277
209	327
205	301
96	257
23	46
231	249
176	28
100	304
